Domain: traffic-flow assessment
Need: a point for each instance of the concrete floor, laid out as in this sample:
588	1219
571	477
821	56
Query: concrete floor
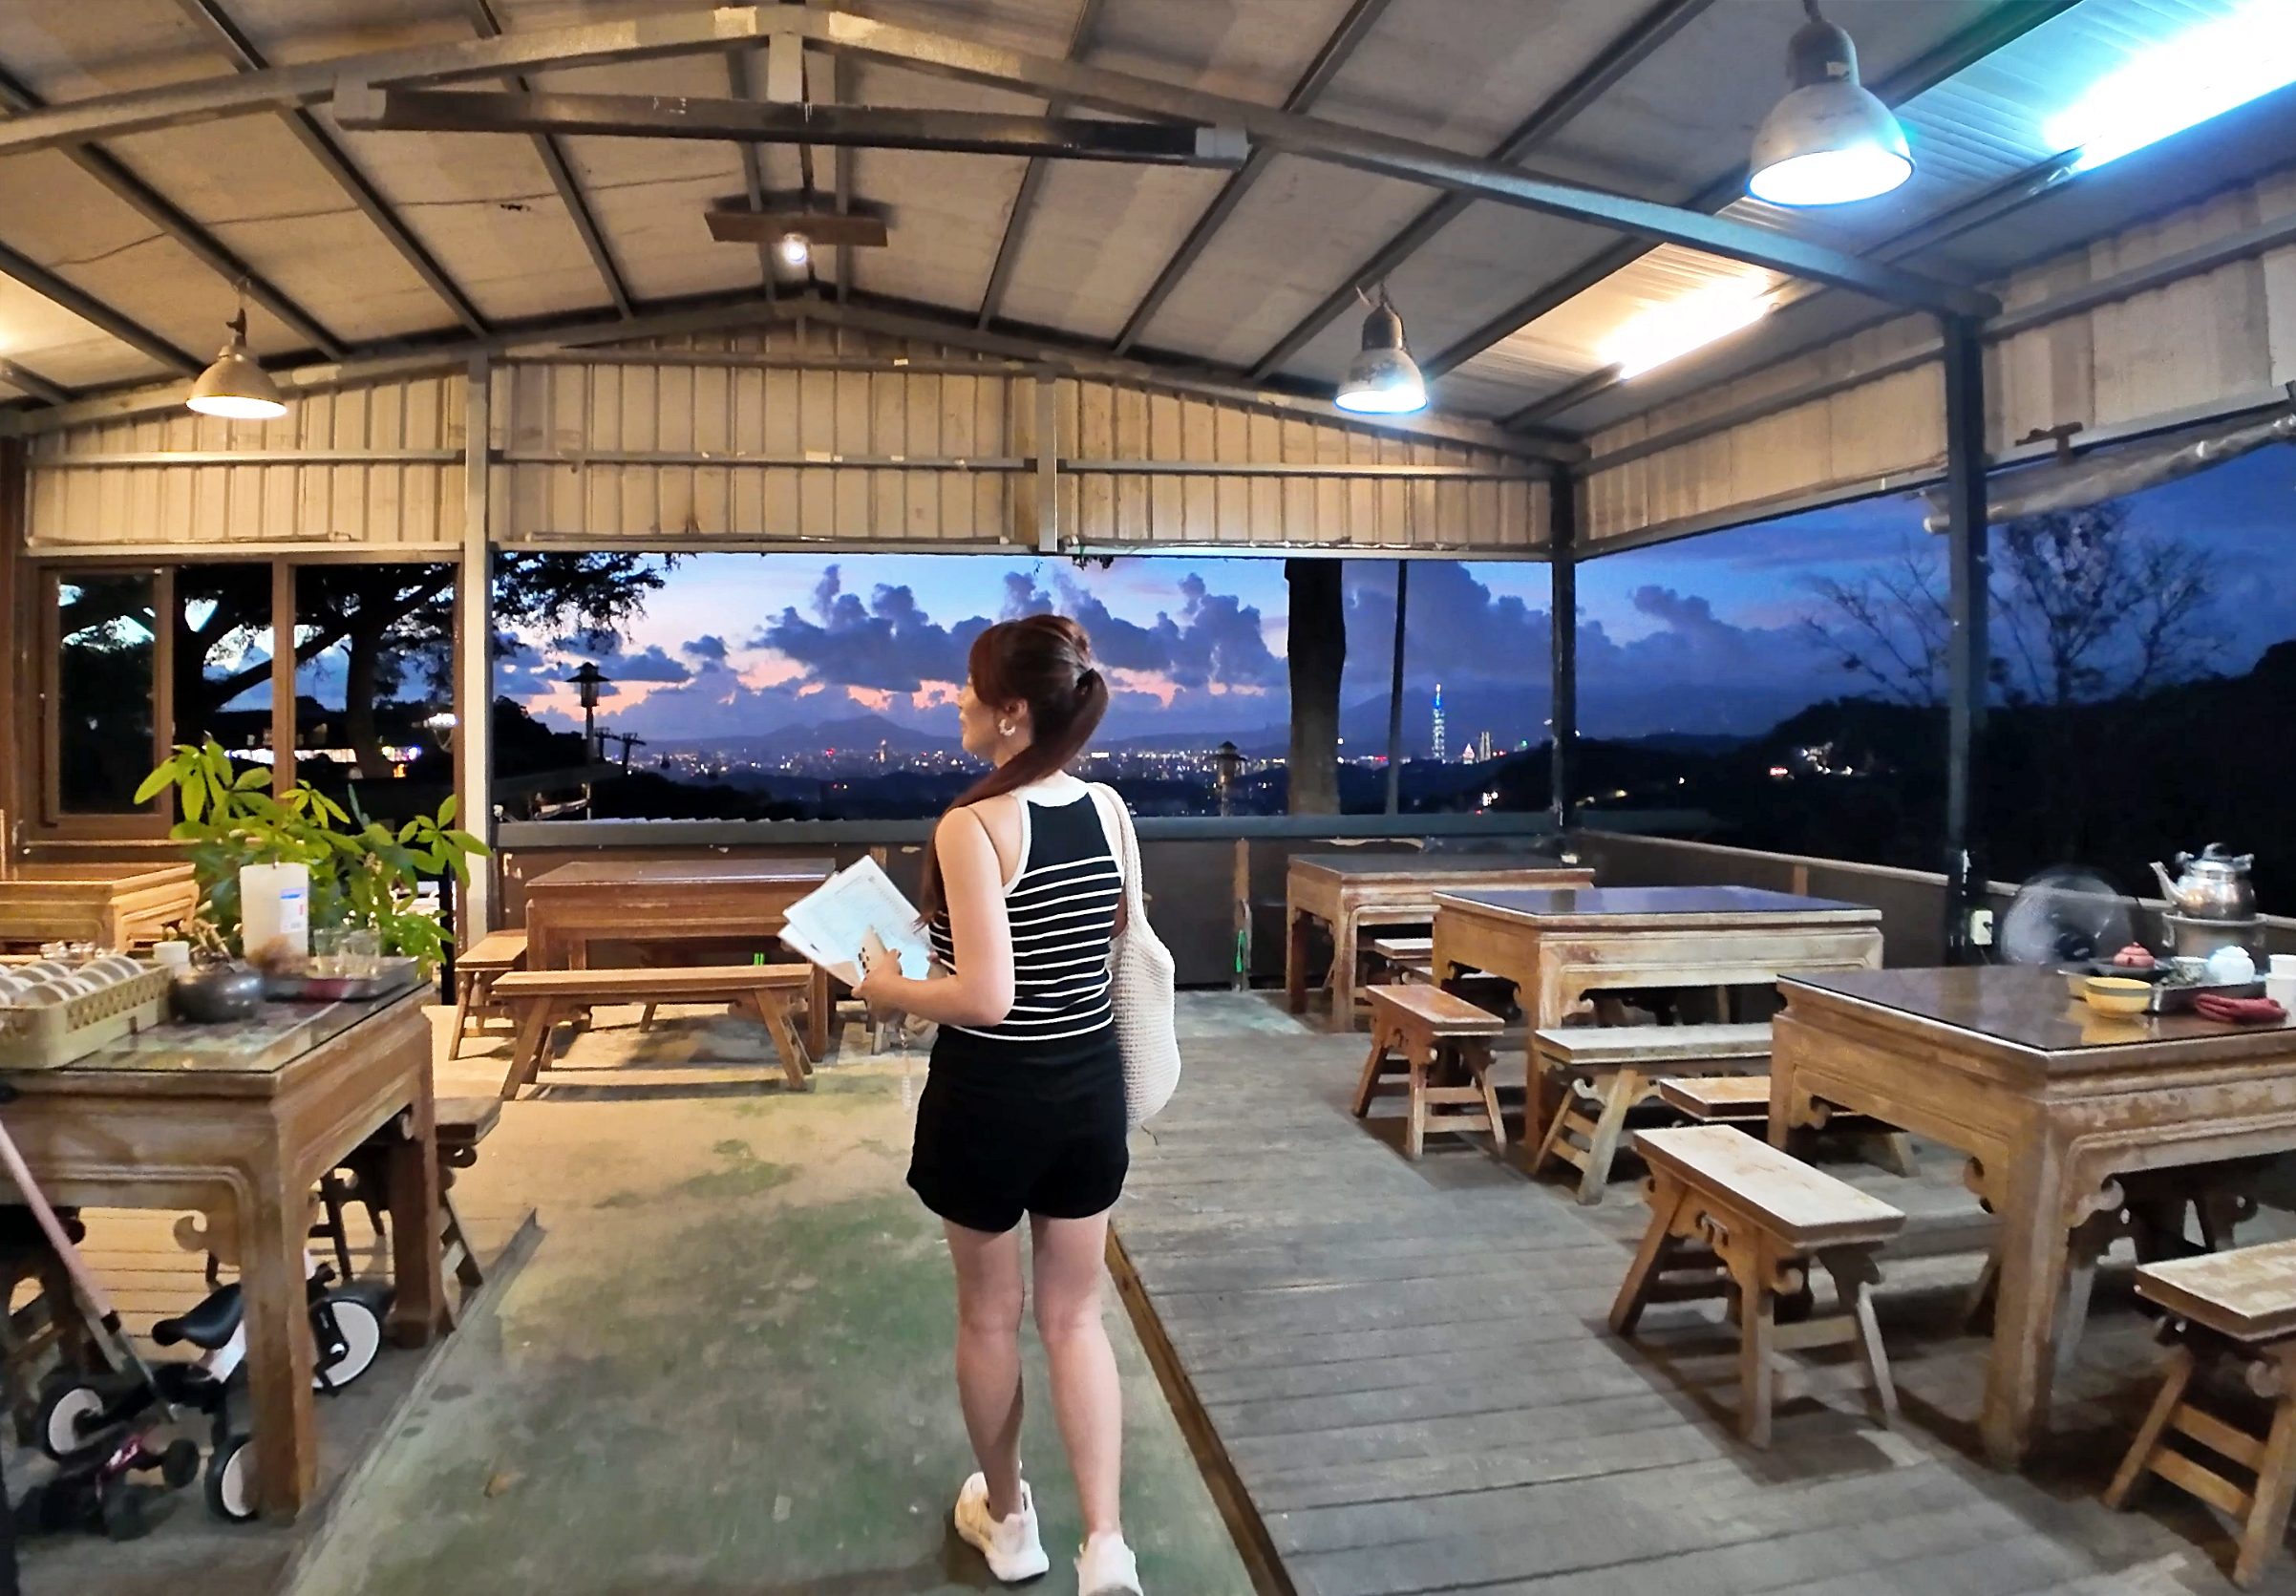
726	1366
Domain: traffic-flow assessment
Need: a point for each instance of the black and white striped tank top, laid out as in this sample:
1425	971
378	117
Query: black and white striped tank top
1062	907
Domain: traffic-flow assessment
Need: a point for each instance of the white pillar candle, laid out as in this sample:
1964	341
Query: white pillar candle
274	911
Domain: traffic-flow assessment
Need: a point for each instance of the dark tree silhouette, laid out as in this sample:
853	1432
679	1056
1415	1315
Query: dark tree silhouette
2085	609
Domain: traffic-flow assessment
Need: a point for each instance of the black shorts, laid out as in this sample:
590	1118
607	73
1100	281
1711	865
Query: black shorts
998	1139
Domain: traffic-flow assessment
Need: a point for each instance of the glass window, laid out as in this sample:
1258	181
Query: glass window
108	631
374	683
221	664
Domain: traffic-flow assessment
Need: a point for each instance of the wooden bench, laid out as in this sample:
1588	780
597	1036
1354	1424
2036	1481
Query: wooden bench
2238	1307
459	1125
1612	1069
540	997
1756	1219
1442	1044
1719	1099
476	969
1407	958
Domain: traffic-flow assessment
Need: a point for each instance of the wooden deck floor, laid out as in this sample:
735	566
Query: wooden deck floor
1408	1368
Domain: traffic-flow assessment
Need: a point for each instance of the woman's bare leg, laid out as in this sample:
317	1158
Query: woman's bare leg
989	1300
1070	1256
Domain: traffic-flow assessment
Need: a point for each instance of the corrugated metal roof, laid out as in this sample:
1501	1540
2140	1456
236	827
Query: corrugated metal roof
1458	74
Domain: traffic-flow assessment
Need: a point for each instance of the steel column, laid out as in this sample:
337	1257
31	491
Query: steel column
1394	695
1562	640
284	773
1047	465
474	662
1967	655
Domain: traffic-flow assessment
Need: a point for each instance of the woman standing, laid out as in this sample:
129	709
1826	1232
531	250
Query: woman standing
1023	1112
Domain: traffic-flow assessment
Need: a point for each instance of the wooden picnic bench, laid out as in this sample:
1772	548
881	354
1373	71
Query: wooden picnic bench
476	969
2238	1307
540	997
1610	1069
1442	1044
1754	1219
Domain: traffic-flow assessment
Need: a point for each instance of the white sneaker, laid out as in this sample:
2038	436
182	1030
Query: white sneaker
1011	1544
1107	1568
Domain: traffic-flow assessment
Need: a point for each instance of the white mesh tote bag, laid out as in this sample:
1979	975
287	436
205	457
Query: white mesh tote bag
1140	981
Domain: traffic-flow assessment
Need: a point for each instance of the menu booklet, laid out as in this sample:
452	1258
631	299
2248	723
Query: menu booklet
829	925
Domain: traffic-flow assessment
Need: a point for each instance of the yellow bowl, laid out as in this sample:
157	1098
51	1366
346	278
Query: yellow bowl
2117	994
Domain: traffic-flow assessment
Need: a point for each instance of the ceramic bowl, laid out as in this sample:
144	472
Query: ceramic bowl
2117	994
114	966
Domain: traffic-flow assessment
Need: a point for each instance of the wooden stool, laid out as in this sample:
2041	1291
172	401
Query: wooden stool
462	1123
1719	1099
2237	1308
493	954
1610	1069
1433	1034
1407	959
1757	1219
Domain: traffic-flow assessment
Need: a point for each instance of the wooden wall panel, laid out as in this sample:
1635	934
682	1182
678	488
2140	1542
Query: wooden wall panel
2222	336
414	499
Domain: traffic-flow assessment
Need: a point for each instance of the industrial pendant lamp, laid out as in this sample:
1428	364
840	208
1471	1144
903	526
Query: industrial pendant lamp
234	385
1382	379
1830	141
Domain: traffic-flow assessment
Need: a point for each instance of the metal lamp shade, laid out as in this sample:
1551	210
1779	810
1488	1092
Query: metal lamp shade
1383	379
235	387
1830	141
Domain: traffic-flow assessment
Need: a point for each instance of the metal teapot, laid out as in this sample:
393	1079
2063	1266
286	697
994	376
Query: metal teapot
2212	884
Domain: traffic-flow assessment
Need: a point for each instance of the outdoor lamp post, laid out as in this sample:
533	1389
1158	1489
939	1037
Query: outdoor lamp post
441	727
1227	763
587	681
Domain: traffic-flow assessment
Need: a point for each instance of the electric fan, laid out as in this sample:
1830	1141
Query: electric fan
2065	916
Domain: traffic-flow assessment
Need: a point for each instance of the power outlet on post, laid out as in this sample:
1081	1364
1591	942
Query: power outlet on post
1981	927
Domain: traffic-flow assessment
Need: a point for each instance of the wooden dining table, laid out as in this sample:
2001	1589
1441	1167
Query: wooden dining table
238	1122
1557	946
1347	893
2055	1104
668	900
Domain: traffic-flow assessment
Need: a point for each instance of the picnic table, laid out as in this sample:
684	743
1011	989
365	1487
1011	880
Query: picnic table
1348	892
238	1122
665	900
2054	1104
1558	945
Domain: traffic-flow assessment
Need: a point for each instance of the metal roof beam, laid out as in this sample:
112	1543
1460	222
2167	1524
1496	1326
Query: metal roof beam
1353	28
1032	180
208	99
970	61
840	91
33	383
562	177
752	171
716	312
1621	56
147	202
247	59
2021	188
2003	25
95	311
654	116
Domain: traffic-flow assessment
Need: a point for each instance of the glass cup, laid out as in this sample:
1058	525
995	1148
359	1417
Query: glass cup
361	953
327	950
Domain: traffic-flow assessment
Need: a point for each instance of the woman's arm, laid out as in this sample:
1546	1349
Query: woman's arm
972	887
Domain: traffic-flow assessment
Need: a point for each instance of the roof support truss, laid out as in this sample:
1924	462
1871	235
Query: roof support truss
1628	50
95	311
1361	18
562	177
250	61
1031	182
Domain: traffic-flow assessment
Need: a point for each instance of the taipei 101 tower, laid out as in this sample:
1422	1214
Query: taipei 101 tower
1441	753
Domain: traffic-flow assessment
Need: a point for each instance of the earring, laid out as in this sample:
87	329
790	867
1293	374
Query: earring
1004	728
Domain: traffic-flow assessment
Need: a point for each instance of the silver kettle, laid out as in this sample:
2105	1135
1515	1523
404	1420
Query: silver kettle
2212	884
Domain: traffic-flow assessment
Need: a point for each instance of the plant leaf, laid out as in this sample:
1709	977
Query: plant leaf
447	809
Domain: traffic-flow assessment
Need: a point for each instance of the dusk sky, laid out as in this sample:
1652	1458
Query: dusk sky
1706	634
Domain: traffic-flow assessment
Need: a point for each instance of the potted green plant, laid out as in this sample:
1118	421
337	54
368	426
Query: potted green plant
363	873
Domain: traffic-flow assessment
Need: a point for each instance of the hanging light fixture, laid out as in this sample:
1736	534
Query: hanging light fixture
1382	379
795	249
234	385
1830	141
